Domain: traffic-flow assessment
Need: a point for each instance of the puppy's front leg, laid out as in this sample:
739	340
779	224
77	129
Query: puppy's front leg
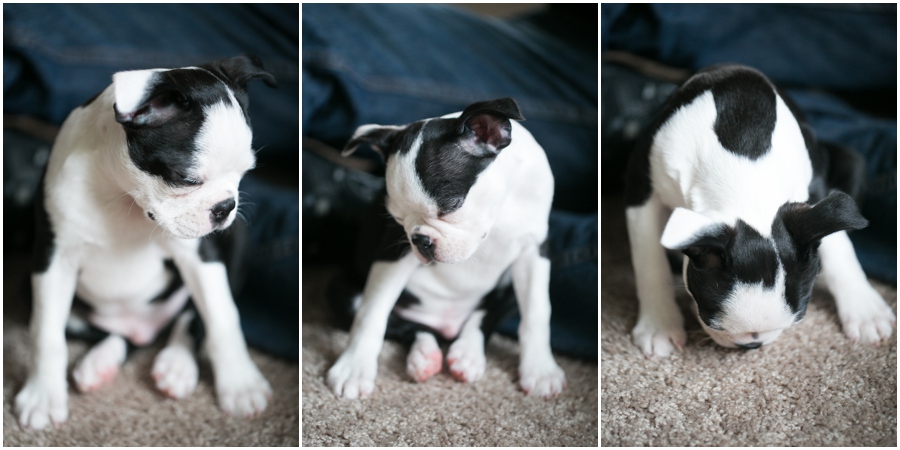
539	375
240	387
660	327
864	314
44	398
353	374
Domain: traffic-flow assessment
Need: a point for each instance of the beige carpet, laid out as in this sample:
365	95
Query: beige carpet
811	387
130	412
441	411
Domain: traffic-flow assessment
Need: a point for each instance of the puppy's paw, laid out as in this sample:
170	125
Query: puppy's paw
353	375
466	359
657	339
425	358
867	318
242	391
100	365
39	404
545	380
175	372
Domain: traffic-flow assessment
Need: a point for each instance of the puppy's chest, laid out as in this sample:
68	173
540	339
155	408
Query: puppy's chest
129	274
447	294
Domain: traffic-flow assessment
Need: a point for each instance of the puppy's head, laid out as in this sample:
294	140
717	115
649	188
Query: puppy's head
188	141
434	176
748	288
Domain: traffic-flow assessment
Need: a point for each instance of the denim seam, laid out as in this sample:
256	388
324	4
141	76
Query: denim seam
442	92
26	41
574	256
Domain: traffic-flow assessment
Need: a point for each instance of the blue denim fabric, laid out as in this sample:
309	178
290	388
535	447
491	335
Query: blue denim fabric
811	50
876	139
269	300
395	64
827	46
57	56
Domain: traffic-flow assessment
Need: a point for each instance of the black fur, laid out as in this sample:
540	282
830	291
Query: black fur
723	257
448	171
728	83
454	151
745	113
176	98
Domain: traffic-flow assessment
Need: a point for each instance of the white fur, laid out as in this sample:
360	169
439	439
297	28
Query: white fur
425	358
498	228
707	185
108	251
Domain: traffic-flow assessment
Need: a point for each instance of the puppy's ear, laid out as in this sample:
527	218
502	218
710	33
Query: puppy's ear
379	137
809	224
239	70
702	239
144	99
488	125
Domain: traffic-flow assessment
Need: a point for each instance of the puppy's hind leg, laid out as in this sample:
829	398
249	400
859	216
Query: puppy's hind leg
101	364
466	355
425	357
175	367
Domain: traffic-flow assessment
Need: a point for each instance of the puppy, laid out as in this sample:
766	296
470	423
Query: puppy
759	208
137	177
469	194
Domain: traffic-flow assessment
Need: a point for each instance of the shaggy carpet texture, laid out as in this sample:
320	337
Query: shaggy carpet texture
811	387
440	412
130	411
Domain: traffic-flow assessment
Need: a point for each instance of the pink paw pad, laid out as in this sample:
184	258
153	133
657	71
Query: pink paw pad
101	377
427	367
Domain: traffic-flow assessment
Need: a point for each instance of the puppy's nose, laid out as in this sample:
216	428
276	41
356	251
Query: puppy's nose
219	213
424	244
750	345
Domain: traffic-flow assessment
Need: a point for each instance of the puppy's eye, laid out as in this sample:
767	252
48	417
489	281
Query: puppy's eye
183	180
451	205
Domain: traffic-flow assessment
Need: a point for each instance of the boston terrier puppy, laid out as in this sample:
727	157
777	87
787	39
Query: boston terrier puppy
759	208
468	200
138	177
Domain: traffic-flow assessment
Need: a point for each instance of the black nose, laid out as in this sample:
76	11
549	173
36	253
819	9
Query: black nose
424	244
751	345
221	210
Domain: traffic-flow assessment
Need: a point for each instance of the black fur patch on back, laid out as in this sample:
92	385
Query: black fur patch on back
726	82
745	114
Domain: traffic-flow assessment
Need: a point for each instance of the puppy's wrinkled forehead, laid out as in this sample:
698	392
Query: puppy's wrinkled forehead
442	160
167	117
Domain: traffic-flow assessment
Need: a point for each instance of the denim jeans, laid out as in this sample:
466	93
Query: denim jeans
57	56
824	55
395	64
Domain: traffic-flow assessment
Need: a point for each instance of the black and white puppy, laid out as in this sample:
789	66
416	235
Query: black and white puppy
137	177
758	211
470	193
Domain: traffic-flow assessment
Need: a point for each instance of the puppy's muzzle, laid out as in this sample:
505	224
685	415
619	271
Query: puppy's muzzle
220	211
425	246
